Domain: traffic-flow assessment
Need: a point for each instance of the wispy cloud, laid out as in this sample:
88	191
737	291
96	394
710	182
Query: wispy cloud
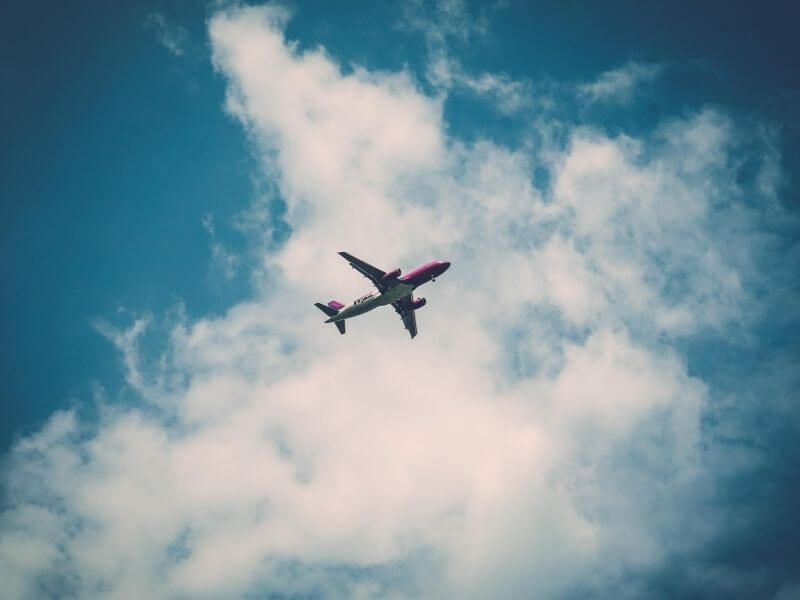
448	20
222	260
444	19
620	84
505	94
173	37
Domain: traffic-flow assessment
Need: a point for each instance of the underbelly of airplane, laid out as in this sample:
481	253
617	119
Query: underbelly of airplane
355	309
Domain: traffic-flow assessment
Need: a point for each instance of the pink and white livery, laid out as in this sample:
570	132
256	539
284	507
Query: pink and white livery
391	289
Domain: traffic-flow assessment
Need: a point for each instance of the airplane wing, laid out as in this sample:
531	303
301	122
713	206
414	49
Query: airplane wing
374	274
403	308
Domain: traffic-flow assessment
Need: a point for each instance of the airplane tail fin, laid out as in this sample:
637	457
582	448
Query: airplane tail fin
332	309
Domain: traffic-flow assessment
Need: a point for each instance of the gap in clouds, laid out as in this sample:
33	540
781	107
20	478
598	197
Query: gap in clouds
546	436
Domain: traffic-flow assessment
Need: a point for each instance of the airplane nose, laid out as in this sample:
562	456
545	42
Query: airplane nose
445	265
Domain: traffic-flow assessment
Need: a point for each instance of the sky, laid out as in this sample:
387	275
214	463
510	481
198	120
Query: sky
602	398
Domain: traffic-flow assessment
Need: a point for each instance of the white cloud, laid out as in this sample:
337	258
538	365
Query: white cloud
451	20
505	94
286	458
653	223
126	342
620	84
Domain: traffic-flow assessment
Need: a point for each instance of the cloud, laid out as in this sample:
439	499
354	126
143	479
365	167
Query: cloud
621	84
505	94
222	260
544	435
450	20
172	37
444	19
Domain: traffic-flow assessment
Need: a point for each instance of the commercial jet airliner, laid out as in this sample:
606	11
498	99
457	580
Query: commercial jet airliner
391	289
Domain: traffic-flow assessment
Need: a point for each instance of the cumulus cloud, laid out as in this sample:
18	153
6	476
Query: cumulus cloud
542	435
621	84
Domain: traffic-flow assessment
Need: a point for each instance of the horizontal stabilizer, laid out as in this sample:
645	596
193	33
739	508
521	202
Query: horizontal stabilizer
326	309
331	312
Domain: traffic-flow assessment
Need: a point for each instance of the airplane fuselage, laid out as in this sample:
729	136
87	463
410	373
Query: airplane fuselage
372	300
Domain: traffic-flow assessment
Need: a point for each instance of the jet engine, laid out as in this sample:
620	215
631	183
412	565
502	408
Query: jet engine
418	303
392	274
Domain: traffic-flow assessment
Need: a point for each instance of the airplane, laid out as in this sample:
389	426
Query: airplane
391	289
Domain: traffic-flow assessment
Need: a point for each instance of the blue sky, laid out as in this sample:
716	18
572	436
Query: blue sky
618	185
